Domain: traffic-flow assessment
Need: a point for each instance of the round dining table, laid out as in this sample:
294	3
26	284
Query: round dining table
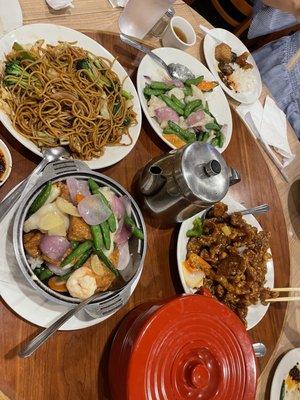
73	364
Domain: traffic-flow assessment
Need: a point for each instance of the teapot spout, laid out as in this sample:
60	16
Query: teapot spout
234	177
152	180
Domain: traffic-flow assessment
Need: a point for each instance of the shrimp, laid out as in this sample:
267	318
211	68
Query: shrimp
82	283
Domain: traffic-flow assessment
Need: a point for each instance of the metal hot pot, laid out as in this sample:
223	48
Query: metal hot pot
110	301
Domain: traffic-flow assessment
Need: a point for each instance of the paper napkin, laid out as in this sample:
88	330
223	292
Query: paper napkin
268	122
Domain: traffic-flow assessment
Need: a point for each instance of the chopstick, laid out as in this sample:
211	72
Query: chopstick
286	289
277	299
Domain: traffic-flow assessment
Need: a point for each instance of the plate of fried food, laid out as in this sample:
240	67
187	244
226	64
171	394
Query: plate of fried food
232	66
58	87
229	254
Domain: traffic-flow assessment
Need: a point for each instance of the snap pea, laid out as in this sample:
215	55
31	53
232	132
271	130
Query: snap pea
74	244
171	104
212	126
186	135
45	274
221	139
215	142
41	198
105	234
77	265
161	86
152	92
282	391
194	81
178	102
191	107
96	190
106	261
137	232
188	91
73	257
204	137
97	236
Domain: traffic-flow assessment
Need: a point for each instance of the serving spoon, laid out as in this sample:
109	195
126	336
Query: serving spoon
174	70
254	210
49	155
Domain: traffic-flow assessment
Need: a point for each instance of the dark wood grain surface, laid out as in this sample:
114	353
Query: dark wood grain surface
73	365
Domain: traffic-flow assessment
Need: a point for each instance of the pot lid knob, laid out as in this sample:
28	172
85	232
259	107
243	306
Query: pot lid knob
213	167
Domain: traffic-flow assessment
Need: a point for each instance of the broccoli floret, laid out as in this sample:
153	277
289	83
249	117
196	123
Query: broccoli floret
15	74
87	66
13	68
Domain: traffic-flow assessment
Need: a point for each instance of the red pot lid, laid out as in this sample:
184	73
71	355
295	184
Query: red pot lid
192	347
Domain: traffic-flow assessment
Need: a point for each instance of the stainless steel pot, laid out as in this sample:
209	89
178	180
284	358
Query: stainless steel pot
111	301
179	184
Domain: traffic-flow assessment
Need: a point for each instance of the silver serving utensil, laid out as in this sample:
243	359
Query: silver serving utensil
263	208
42	337
259	349
49	155
175	71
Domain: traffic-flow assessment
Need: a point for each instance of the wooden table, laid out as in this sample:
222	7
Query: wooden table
77	377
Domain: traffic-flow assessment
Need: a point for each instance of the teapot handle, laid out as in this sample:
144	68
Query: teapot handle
234	177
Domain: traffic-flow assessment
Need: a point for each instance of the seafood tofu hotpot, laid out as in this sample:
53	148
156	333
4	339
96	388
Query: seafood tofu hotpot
77	232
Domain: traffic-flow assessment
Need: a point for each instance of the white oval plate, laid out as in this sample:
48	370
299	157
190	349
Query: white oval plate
255	312
217	101
283	368
229	38
52	34
8	161
10	15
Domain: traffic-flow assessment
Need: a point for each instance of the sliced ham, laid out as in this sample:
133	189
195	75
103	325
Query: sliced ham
166	114
195	119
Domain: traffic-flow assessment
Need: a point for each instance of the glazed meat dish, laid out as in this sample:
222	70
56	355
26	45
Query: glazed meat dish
232	256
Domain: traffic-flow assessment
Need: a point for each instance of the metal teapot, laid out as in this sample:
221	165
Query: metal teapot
183	182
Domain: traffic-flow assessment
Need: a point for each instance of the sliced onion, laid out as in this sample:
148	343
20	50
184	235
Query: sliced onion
122	234
120	205
175	82
147	78
58	270
124	257
76	186
93	210
54	246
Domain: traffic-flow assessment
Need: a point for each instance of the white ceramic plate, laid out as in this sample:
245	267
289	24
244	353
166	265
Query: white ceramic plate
52	34
217	101
282	370
8	161
10	16
229	38
23	299
255	312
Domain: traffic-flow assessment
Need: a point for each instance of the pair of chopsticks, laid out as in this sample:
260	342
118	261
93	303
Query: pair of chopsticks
290	298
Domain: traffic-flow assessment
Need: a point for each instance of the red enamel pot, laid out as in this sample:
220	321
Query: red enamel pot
189	347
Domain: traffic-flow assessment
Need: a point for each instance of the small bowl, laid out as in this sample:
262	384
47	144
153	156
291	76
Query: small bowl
8	162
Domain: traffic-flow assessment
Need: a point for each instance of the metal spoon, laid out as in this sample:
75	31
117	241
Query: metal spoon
49	155
254	210
175	71
259	349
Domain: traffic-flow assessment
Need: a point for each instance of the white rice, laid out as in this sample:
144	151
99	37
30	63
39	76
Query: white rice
244	80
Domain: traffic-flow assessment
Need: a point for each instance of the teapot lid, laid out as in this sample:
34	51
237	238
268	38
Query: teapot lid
201	173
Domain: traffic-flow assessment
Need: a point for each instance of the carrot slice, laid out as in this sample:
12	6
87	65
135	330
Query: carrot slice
57	285
79	197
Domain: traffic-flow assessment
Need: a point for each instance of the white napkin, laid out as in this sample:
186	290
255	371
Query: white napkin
118	3
59	4
268	122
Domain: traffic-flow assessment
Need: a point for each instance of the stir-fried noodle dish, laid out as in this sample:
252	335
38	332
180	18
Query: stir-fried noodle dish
63	95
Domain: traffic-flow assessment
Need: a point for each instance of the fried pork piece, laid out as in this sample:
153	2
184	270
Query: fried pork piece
225	68
223	53
236	254
31	242
241	60
64	191
78	230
